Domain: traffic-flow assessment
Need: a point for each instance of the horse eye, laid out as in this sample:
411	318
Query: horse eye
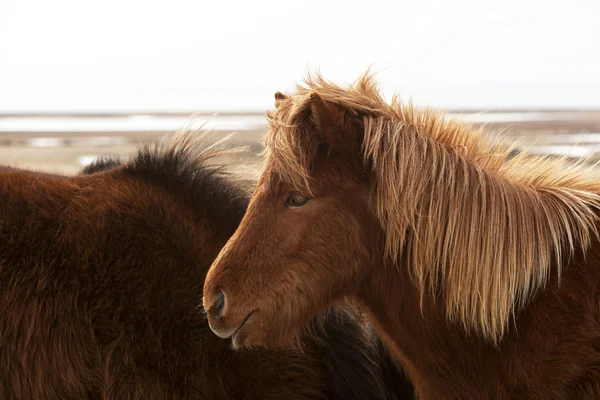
296	200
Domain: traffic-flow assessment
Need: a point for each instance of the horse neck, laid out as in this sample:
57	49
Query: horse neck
442	360
392	305
419	336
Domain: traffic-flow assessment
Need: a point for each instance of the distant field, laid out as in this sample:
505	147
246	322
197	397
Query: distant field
66	143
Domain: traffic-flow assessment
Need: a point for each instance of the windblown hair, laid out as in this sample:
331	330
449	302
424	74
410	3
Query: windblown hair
475	225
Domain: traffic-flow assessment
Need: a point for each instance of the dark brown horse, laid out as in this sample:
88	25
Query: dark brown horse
100	276
480	269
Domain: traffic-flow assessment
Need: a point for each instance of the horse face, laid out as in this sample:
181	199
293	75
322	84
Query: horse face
292	255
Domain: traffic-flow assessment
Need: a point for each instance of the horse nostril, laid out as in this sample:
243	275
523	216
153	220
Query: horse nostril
219	304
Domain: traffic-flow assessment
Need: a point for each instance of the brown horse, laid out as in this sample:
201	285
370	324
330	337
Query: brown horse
99	282
479	270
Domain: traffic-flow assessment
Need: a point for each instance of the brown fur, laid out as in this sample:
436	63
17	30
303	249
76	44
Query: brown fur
99	282
478	269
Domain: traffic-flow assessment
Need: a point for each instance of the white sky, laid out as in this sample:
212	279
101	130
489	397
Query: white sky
76	55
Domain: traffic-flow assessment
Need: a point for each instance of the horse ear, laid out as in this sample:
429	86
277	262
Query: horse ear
279	97
337	127
325	116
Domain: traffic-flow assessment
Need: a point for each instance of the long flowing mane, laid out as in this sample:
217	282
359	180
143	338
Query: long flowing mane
480	228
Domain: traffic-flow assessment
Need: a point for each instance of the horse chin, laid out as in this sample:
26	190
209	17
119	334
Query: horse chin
242	336
256	334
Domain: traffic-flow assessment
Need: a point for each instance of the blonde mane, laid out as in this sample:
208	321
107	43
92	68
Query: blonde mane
479	228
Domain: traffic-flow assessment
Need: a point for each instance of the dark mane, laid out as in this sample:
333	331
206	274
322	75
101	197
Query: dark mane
340	337
179	164
100	164
183	170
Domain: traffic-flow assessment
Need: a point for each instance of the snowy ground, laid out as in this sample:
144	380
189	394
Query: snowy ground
66	143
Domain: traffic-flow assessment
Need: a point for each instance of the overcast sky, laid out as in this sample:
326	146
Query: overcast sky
70	55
